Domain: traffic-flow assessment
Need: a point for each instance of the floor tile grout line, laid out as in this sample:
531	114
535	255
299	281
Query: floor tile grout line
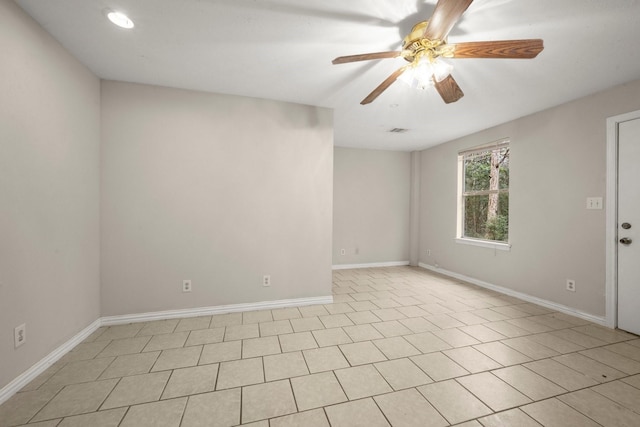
184	410
432	405
295	401
499	379
164	387
556	398
45	405
375	402
124	416
326	415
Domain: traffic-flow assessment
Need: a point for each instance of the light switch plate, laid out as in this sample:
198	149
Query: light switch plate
594	202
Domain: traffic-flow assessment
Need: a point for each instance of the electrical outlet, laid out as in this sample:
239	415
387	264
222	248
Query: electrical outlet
186	286
266	280
20	335
343	251
428	252
571	285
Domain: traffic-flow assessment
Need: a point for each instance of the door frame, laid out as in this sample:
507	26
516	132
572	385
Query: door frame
611	214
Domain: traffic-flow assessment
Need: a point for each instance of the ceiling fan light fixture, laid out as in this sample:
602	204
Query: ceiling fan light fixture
425	73
416	78
120	19
441	69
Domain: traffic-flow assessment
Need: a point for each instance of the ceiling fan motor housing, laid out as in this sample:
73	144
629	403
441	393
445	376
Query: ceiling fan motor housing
416	46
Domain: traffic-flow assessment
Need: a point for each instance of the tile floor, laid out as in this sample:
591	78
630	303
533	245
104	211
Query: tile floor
399	346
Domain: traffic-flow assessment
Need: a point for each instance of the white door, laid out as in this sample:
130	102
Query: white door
629	226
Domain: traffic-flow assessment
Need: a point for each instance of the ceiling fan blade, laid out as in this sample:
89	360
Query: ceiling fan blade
383	86
449	90
445	16
366	57
499	49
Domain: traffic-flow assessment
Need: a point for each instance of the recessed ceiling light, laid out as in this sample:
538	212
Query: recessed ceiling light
120	19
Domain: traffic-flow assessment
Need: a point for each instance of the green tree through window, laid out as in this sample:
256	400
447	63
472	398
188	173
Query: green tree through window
485	193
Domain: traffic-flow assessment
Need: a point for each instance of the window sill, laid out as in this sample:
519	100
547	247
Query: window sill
484	243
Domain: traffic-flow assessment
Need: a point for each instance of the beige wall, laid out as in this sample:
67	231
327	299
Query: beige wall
49	192
557	161
371	206
217	189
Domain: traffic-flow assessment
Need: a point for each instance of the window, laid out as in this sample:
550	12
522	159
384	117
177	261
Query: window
483	188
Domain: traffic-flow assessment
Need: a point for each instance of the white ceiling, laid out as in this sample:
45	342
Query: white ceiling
282	50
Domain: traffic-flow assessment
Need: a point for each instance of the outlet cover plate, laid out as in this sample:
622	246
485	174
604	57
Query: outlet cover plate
20	335
571	285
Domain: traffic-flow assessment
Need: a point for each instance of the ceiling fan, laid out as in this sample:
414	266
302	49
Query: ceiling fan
427	42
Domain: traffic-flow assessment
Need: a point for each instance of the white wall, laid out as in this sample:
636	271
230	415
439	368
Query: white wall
557	161
371	196
217	189
49	185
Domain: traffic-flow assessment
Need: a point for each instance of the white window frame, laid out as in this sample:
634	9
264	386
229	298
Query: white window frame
460	238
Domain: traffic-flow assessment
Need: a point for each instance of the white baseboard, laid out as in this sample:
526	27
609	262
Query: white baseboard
525	297
23	379
26	377
369	265
220	309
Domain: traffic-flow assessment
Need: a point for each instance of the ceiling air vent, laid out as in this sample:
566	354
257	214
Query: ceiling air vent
398	130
